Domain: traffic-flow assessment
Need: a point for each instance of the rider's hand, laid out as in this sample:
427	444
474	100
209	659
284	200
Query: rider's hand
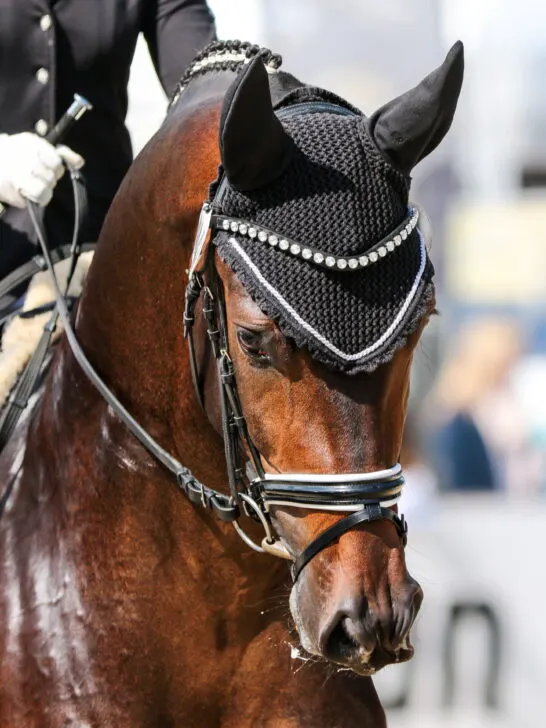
30	167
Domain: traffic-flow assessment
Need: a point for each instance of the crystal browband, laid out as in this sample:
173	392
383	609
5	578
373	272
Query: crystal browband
320	258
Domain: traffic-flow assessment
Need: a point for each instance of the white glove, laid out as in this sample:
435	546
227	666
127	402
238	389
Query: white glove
30	167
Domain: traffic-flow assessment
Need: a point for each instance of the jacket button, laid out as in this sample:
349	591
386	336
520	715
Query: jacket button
41	127
42	76
45	22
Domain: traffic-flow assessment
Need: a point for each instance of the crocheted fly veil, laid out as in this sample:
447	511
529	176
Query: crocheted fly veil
312	212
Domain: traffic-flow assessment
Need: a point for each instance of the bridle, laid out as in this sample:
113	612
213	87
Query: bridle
366	497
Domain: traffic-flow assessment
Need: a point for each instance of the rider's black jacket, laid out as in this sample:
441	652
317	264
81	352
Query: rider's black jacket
51	49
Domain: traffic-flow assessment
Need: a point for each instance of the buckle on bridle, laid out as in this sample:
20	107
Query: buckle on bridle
208	301
195	491
374	511
403	529
228	373
204	502
193	291
248	501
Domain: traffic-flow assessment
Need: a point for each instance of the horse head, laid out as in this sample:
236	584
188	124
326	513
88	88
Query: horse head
312	408
315	285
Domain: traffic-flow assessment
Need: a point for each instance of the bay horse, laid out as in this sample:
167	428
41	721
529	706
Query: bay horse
124	603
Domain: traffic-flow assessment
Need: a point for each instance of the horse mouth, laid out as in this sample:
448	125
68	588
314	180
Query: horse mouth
349	655
380	659
346	652
366	662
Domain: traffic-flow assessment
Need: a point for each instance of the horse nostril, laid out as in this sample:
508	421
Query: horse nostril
340	644
395	631
356	631
346	638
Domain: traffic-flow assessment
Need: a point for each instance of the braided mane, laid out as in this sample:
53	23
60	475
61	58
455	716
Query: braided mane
227	55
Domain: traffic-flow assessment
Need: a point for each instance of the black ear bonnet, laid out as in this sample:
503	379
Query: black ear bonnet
313	212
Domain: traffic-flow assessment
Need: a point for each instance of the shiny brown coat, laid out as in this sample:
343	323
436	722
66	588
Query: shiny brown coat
120	603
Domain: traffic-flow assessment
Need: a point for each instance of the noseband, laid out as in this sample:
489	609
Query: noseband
366	497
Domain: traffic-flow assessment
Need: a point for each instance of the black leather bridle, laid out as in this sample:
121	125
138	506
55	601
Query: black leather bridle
366	496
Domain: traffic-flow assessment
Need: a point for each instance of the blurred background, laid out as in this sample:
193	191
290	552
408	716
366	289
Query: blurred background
475	450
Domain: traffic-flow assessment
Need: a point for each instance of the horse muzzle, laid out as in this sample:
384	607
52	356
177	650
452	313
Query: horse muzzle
355	631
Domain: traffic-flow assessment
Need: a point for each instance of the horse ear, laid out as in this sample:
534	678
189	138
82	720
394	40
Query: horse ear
254	146
409	127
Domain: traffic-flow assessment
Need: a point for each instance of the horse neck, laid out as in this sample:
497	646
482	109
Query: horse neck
130	316
130	325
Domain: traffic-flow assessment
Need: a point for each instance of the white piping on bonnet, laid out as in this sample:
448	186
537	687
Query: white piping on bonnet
316	334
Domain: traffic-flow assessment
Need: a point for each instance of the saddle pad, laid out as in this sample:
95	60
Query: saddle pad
21	336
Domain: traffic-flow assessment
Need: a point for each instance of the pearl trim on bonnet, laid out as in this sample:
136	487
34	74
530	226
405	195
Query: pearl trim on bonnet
312	255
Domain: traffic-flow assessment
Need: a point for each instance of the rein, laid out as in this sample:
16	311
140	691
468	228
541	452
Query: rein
367	495
196	492
25	387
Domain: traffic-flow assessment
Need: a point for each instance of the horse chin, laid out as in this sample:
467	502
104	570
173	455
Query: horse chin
372	664
364	663
371	668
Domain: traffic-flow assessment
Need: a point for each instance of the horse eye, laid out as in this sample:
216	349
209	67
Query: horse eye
251	342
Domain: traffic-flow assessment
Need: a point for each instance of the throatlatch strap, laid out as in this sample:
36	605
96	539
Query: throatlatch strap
368	514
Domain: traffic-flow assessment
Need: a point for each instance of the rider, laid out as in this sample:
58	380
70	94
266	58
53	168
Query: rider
50	50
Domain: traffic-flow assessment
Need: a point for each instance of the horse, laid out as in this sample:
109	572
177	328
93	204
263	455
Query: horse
122	601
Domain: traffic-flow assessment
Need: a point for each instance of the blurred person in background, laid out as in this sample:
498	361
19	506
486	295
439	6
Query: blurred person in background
479	434
51	49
